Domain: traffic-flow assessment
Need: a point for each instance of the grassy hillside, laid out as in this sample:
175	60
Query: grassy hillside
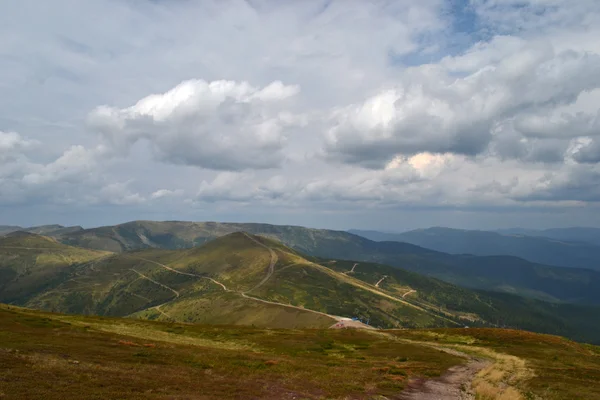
54	356
546	367
251	280
46	230
478	308
559	251
504	274
30	264
235	279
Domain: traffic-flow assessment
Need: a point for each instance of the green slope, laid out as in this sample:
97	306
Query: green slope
56	356
497	273
245	279
479	308
232	280
31	263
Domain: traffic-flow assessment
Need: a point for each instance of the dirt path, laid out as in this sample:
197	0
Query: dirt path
157	308
158	283
381	280
271	268
455	384
184	273
335	318
351	271
409	292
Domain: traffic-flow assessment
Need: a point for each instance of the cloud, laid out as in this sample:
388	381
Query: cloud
118	193
220	125
588	153
164	193
435	111
12	146
291	111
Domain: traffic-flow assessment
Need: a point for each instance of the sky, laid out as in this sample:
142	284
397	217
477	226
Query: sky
389	115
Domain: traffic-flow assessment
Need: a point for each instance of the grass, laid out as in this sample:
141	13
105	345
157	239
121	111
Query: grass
71	280
53	356
539	366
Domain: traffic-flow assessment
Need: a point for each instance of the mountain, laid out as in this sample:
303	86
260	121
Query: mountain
235	279
498	273
543	250
575	234
30	263
4	229
182	234
46	230
243	279
57	356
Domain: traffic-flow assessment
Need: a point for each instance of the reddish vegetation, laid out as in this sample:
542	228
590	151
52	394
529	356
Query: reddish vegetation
128	343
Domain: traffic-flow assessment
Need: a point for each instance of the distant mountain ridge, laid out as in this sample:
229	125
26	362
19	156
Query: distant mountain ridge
562	252
46	230
574	234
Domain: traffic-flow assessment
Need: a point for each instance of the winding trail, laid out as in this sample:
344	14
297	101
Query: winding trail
381	280
183	273
455	384
351	271
157	308
158	283
271	270
336	318
274	259
409	292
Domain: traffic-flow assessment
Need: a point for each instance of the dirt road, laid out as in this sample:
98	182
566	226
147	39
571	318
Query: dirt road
379	281
157	283
455	384
351	271
183	273
271	268
409	292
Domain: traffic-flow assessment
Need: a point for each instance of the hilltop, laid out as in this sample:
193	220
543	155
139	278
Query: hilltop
31	263
48	230
236	279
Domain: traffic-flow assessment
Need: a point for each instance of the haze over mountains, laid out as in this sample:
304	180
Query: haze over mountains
570	247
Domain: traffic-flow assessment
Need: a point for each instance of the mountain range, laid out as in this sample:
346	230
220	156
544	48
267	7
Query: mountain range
496	273
566	249
242	278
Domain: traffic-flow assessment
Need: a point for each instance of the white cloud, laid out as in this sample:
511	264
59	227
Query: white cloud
12	146
221	125
299	108
433	110
164	193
